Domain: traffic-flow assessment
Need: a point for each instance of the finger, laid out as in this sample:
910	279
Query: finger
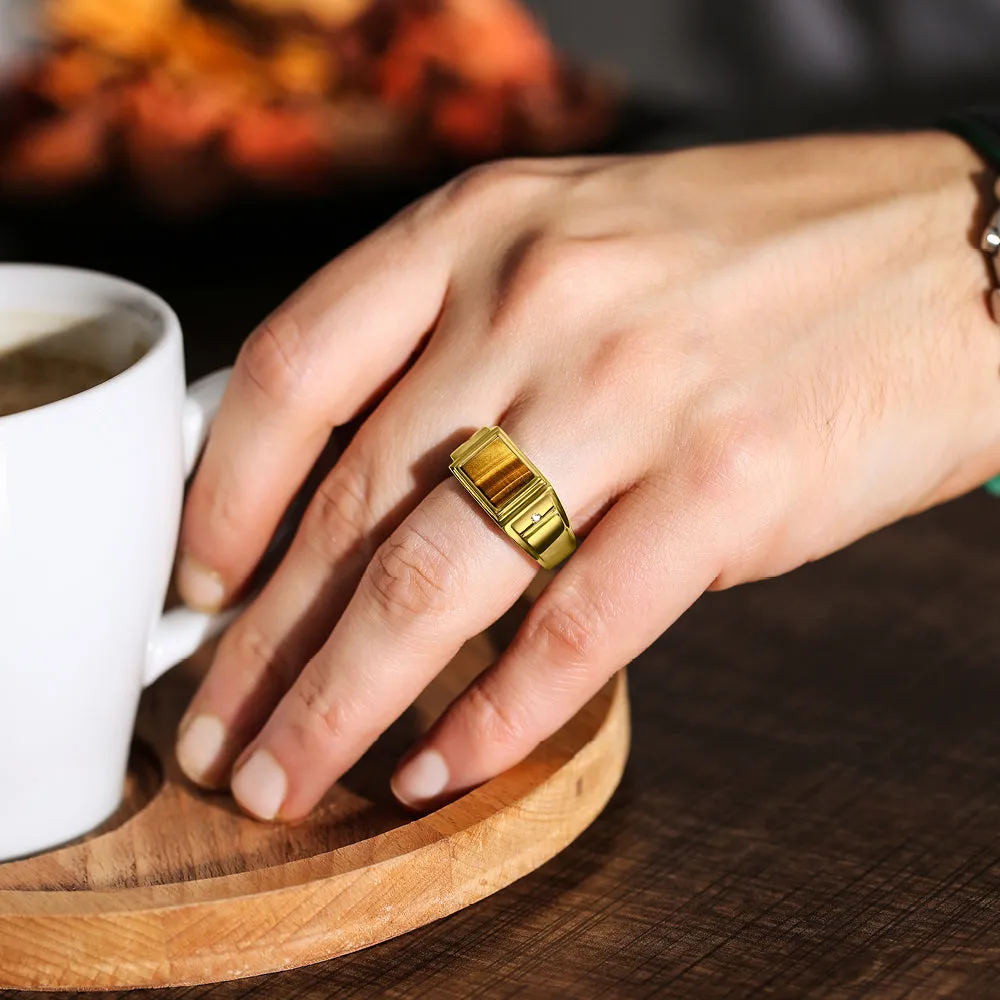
650	558
395	459
311	366
444	575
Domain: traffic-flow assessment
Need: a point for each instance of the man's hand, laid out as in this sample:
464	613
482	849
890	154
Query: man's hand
727	361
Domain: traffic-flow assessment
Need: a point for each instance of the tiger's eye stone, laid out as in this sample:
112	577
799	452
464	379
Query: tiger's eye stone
498	473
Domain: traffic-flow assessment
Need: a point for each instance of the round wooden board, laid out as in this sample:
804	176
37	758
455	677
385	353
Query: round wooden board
179	888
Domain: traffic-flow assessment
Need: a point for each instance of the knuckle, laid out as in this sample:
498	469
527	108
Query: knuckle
741	474
613	364
741	454
746	457
340	514
254	655
471	185
495	721
315	714
567	628
491	185
418	213
324	717
544	270
411	576
228	519
270	359
539	263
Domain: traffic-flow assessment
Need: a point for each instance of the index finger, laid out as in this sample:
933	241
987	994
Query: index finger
312	365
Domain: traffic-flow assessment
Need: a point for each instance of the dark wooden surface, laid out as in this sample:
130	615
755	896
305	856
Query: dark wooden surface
812	806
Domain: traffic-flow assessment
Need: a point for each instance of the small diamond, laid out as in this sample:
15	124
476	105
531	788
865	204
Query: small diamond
536	518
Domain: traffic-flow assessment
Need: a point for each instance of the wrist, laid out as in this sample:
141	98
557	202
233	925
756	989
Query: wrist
974	342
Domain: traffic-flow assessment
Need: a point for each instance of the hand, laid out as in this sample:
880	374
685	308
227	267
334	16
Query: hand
728	362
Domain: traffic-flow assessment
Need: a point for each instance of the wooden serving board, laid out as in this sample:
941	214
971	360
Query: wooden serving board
180	888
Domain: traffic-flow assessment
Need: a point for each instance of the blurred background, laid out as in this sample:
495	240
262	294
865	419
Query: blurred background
221	150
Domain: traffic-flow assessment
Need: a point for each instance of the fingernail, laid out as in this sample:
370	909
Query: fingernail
260	785
200	746
421	779
201	587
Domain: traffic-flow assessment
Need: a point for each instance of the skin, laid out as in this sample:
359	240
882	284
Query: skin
728	361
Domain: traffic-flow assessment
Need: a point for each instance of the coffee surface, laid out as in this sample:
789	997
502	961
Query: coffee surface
32	376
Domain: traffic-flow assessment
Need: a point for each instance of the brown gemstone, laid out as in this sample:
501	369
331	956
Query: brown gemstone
497	472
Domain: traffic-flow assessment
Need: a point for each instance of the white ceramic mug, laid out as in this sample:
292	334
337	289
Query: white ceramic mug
91	489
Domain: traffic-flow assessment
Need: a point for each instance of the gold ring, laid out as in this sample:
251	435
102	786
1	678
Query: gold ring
505	483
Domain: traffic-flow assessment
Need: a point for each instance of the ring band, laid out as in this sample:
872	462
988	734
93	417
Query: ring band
505	483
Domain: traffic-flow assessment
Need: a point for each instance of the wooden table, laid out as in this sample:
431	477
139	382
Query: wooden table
812	807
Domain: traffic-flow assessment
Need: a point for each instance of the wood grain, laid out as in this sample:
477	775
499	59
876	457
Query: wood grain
811	808
181	888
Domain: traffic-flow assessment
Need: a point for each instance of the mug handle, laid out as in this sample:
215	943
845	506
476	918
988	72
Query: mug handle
181	631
